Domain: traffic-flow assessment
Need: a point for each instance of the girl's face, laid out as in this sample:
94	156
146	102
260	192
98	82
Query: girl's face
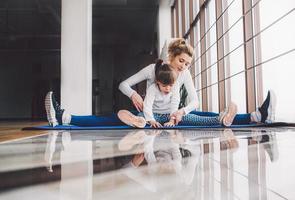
180	62
165	88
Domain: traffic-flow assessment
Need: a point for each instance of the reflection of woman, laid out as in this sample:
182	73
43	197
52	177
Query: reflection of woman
179	58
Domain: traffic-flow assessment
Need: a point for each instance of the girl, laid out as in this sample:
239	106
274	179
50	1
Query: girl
162	100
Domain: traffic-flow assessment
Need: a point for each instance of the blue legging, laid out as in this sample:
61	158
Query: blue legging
188	120
239	119
113	120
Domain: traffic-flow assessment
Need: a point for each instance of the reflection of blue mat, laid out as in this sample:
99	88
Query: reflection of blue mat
277	124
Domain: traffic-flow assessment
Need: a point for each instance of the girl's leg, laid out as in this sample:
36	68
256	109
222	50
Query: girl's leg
226	118
162	118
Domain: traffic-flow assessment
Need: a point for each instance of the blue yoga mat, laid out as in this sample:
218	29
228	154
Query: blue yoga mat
60	127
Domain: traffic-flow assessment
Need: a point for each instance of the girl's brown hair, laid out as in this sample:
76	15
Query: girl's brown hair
179	46
164	73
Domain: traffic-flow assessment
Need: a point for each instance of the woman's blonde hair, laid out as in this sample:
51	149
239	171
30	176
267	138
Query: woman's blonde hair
179	46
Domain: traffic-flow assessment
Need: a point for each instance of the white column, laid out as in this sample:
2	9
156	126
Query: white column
164	26
76	56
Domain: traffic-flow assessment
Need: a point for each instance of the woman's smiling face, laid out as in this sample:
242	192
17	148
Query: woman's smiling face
180	62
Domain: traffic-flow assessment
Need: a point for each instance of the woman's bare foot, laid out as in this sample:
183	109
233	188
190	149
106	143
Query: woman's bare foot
228	115
132	120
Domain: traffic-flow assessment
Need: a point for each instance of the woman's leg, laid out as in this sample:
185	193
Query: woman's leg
238	120
131	119
58	116
91	120
204	113
241	119
264	114
196	120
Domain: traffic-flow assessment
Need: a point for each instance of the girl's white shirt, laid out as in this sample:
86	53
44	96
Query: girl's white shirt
157	102
148	74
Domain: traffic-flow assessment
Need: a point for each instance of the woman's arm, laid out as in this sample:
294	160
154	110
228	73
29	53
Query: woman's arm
144	74
126	89
193	103
192	98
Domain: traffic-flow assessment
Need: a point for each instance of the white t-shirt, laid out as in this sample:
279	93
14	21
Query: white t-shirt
148	74
157	102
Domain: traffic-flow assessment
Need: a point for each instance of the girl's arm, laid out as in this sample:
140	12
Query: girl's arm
175	98
148	103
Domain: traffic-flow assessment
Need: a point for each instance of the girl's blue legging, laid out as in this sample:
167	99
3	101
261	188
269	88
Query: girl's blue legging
113	120
188	120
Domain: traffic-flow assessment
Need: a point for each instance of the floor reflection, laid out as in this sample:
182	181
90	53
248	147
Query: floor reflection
153	164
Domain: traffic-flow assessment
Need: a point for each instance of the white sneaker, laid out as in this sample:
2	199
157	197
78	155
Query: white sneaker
50	110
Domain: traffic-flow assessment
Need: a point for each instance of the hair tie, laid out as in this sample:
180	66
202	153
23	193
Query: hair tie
158	64
160	61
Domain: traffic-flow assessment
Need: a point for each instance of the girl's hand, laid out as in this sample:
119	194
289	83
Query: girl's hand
155	124
170	124
137	101
177	116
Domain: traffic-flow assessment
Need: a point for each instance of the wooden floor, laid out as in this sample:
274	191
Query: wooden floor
13	130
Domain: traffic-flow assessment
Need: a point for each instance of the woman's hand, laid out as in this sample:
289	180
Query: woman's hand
177	116
137	101
155	124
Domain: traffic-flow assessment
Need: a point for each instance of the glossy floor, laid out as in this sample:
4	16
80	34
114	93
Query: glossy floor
183	164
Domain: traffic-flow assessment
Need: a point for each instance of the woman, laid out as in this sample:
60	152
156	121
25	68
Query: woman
179	58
